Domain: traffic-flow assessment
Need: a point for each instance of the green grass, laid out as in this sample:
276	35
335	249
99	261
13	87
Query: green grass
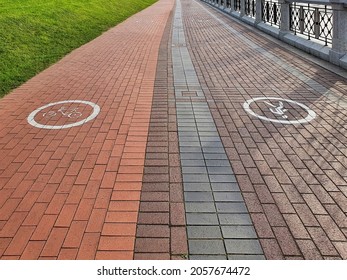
37	33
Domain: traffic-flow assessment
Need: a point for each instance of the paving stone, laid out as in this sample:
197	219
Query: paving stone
195	187
190	149
196	170
232	187
204	232
228	196
220	156
186	139
198	196
189	162
207	133
216	162
187	134
247	232
207	139
207	257
195	178
213	247
231	207
246	257
222	178
200	207
190	144
220	170
185	155
243	247
211	150
202	219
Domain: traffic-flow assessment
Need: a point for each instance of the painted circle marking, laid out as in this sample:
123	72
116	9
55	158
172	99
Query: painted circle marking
31	117
310	113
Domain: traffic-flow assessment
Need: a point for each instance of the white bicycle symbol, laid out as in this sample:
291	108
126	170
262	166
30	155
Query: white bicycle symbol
68	113
72	113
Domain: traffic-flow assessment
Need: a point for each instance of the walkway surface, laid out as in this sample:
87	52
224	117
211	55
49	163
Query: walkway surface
180	133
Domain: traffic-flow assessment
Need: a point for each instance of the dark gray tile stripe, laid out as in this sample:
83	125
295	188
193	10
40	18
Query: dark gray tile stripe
218	223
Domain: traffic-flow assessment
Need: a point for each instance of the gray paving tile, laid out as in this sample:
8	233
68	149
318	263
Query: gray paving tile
216	162
246	257
210	139
213	247
187	134
190	150
222	178
197	187
228	196
204	232
235	219
215	156
220	170
189	144
233	187
195	178
209	150
187	155
206	129
240	232
231	207
202	219
183	125
243	247
200	207
215	144
196	170
189	162
206	124
198	196
207	257
182	121
187	139
208	133
188	116
188	128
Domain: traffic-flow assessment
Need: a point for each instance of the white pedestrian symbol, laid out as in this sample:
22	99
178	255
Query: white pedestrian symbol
277	106
279	110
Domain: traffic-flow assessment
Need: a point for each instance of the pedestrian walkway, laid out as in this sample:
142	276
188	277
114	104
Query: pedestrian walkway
178	134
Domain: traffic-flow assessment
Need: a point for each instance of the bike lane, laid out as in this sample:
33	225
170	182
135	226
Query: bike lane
73	142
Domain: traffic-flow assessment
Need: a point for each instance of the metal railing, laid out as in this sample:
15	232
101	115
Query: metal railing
237	5
271	12
250	8
312	21
322	21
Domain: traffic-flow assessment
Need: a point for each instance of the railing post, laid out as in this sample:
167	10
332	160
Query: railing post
339	45
317	20
243	8
232	8
258	12
285	17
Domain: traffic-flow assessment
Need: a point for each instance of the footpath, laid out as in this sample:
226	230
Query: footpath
178	134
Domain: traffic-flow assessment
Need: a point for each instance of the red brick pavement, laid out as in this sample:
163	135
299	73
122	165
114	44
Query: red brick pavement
75	193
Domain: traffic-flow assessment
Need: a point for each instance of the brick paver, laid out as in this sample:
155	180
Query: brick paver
173	166
292	177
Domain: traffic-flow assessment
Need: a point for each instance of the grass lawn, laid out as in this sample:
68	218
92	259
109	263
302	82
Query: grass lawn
37	33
